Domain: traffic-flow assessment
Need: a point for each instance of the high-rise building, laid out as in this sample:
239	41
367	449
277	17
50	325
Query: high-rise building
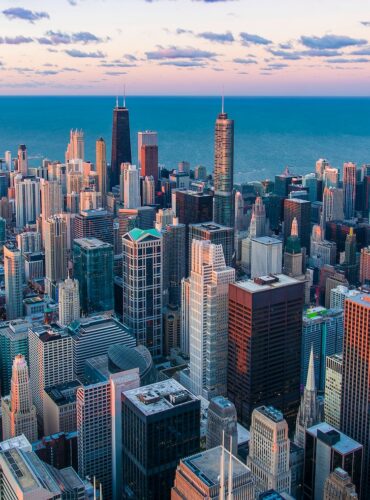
148	187
355	412
310	182
60	408
322	330
293	258
121	143
27	200
51	200
192	207
349	188
350	265
331	177
93	268
185	318
259	211
269	449
13	271
55	238
94	224
142	287
22	160
8	161
200	173
29	242
131	187
338	485
309	412
301	210
365	266
333	389
332	206
212	475
76	146
146	138
101	167
266	256
216	234
164	409
282	182
90	199
209	286
321	166
223	208
326	449
51	361
68	301
18	412
264	316
149	161
222	424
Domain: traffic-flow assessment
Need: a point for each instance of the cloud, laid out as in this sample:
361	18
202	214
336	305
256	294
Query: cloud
129	57
320	53
25	14
79	53
273	66
184	64
240	60
290	56
248	39
75	70
181	31
361	52
62	38
116	73
117	65
365	23
179	53
47	72
331	41
16	40
217	37
344	60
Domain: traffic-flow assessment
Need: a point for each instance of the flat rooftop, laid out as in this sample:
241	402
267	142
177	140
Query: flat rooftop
159	397
361	298
63	394
267	240
206	466
48	333
344	445
211	226
91	243
267	283
271	413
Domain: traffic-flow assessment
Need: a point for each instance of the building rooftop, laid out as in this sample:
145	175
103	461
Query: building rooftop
63	394
91	243
94	212
138	234
271	413
361	298
159	397
297	200
266	283
20	442
206	466
343	445
267	240
48	333
211	226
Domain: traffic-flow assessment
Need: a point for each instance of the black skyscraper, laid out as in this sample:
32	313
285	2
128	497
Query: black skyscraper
121	144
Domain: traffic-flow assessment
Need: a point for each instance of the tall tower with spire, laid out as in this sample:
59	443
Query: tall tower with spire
293	257
259	211
19	414
223	208
121	142
309	412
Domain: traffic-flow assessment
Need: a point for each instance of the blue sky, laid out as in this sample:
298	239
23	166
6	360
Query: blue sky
249	47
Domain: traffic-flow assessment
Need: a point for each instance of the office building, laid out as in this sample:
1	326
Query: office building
326	449
293	258
185	319
148	188
148	154
222	424
22	160
269	450
209	285
90	199
192	207
310	182
223	208
333	389
339	485
76	146
355	413
60	408
142	287
266	256
94	224
131	187
322	330
301	210
34	266
216	234
121	143
331	177
27	201
18	412
55	238
13	273
145	138
350	266
13	341
323	252
74	182
267	314
200	173
321	166
349	189
51	361
164	409
93	268
282	182
332	206
51	201
365	266
8	161
68	301
309	412
29	242
210	474
101	167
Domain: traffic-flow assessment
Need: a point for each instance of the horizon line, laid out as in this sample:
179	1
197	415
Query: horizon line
216	96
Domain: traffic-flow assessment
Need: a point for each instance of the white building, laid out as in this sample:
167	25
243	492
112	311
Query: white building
22	160
69	301
266	256
131	187
339	294
55	238
149	190
27	201
13	271
333	389
208	318
76	146
51	200
29	241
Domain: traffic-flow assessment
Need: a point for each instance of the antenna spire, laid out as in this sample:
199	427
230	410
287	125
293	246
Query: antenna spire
223	100
124	95
117	101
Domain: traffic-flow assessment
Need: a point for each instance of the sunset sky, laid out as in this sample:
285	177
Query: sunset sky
173	47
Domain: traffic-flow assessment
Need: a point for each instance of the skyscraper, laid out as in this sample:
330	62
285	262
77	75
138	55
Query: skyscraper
265	315
293	253
69	301
51	201
101	167
18	412
209	285
269	449
55	253
149	161
93	268
146	138
94	224
76	146
266	256
131	187
216	234
148	186
222	424
27	200
13	271
332	208
223	208
349	187
339	485
350	265
300	210
355	411
22	160
29	242
121	143
333	389
365	265
142	287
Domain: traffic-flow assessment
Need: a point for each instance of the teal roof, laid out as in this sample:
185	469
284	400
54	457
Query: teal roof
136	233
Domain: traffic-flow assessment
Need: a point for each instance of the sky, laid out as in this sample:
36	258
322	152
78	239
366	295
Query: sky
185	47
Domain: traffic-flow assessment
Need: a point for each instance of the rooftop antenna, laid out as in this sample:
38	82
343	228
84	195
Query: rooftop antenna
222	465
117	101
223	100
101	492
124	95
94	486
230	478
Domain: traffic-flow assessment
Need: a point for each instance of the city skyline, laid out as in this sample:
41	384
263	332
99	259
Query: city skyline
184	47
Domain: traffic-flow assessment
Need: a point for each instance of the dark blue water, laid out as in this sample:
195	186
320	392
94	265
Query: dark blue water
270	133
